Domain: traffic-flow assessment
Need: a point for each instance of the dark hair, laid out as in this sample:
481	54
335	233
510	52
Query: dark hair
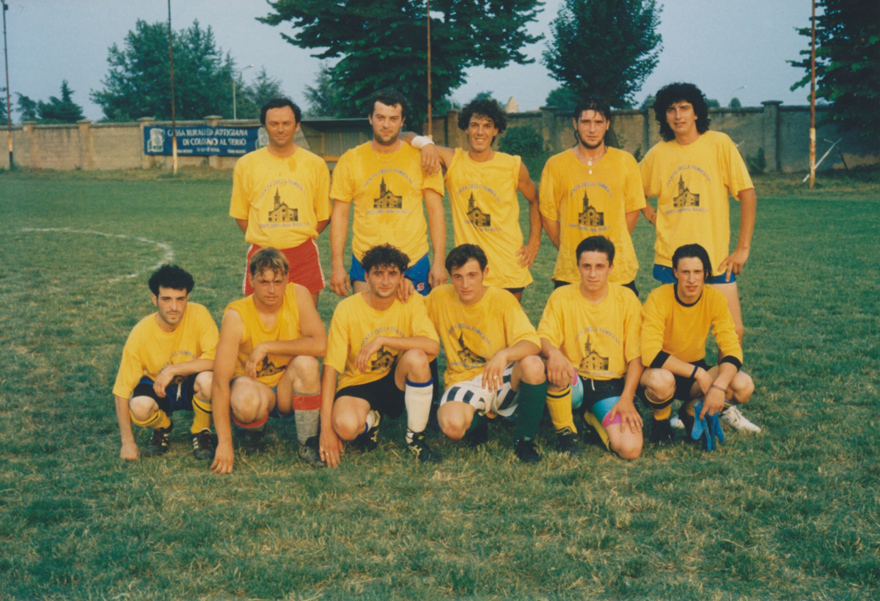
171	276
385	255
463	253
680	92
693	251
388	97
277	103
591	103
599	244
268	259
483	107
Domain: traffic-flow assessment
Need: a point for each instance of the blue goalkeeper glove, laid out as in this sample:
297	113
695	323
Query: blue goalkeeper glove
708	429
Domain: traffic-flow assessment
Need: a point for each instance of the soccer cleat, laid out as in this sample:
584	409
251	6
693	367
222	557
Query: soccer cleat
254	436
423	452
478	436
676	423
159	444
203	446
525	450
369	440
308	452
566	443
734	418
661	431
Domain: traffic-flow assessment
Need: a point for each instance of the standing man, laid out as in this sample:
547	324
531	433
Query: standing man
383	178
492	363
590	335
692	173
380	348
482	188
588	190
676	320
166	366
267	361
281	197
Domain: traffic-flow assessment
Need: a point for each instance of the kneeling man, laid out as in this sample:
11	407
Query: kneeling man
492	363
590	335
675	324
166	366
381	349
267	360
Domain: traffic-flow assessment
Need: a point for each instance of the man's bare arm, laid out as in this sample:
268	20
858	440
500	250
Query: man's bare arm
338	233
748	208
528	189
231	330
242	224
437	232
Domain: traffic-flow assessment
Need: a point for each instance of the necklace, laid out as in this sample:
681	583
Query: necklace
390	158
591	160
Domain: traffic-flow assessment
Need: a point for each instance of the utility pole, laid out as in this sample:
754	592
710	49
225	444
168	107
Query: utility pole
173	119
430	120
8	106
813	99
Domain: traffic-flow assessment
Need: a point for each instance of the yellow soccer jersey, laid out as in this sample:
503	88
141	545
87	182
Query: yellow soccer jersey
592	204
485	212
670	327
692	184
599	340
387	194
149	349
286	327
283	199
355	323
471	335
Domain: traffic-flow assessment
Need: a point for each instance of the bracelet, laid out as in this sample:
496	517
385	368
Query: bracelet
420	142
716	387
694	373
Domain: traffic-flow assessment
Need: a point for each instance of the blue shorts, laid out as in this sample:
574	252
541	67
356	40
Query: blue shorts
417	273
178	394
665	275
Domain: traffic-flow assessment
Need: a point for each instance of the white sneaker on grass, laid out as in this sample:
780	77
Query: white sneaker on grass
676	422
734	418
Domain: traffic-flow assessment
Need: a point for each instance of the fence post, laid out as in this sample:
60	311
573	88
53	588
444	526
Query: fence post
86	156
147	160
213	121
548	129
770	131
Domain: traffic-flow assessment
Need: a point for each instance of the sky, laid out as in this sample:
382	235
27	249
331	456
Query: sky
728	48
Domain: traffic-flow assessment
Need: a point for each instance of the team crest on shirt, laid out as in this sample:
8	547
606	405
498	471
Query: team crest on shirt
383	361
267	368
590	216
593	361
685	198
476	215
387	199
467	356
282	213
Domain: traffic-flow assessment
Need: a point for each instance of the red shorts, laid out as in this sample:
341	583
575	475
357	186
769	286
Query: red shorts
305	267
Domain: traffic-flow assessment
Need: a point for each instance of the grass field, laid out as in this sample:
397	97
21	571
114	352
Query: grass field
791	513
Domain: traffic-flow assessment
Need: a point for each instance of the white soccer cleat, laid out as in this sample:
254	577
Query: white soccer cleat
676	422
734	418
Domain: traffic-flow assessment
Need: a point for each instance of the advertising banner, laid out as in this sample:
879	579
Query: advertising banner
203	140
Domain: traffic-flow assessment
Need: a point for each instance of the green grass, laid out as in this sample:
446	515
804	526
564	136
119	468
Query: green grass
791	513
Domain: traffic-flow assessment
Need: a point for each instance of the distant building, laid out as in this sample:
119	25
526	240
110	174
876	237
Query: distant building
512	106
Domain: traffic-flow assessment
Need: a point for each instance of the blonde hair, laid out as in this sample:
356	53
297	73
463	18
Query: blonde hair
268	259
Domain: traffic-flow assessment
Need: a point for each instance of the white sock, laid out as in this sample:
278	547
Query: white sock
418	397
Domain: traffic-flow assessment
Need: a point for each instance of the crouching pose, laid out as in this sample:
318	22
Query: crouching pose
675	323
166	366
590	338
267	360
381	349
492	363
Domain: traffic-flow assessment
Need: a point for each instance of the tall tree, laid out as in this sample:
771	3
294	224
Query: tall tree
60	110
847	64
27	107
383	43
138	82
604	47
251	98
2	106
326	98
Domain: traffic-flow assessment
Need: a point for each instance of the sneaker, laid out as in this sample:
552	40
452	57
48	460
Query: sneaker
676	423
734	418
525	451
159	444
566	443
661	431
369	440
423	452
203	446
308	452
478	436
254	436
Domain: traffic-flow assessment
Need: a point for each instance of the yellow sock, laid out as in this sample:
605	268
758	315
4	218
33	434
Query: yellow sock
559	407
689	408
201	415
158	420
662	413
597	426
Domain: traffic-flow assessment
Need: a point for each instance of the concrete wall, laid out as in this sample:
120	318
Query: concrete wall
779	134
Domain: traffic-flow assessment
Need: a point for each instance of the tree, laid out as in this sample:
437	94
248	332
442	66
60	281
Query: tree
326	98
604	47
735	103
562	97
847	64
383	43
3	106
60	110
138	82
251	98
27	107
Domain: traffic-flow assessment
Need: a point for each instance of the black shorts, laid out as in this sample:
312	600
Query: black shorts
383	395
683	384
178	395
599	390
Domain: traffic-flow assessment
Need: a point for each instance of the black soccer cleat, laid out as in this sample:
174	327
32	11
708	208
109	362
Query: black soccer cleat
478	436
661	431
566	443
525	450
308	452
420	448
159	443
203	446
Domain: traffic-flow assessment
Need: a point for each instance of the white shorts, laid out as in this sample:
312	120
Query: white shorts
501	402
